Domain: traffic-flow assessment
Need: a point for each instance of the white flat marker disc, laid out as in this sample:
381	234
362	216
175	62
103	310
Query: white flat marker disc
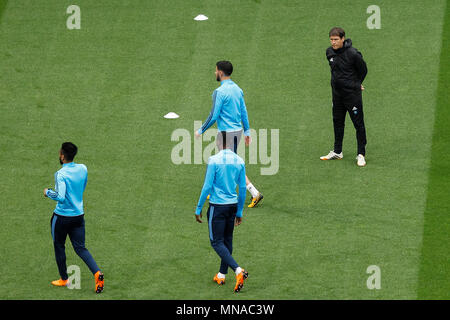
201	17
171	115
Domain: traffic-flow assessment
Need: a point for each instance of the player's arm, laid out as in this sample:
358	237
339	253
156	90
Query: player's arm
217	101
85	181
244	117
241	195
59	194
207	186
360	66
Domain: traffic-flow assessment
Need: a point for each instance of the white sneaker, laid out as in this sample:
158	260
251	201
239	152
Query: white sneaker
361	161
332	155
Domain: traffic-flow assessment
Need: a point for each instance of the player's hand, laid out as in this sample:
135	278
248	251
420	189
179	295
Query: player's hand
197	135
198	218
362	88
45	192
248	140
237	221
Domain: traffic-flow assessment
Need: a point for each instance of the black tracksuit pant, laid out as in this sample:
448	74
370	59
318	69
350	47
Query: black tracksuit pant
353	105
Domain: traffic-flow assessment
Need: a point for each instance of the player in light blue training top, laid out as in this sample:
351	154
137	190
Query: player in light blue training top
225	172
230	113
70	182
68	217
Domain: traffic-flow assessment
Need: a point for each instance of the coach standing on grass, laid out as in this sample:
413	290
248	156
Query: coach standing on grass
348	71
68	217
225	171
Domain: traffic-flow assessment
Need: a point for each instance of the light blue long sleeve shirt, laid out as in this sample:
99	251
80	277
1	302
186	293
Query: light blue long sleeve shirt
228	109
225	171
70	182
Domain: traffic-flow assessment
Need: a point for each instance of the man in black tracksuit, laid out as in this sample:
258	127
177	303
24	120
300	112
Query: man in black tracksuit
348	71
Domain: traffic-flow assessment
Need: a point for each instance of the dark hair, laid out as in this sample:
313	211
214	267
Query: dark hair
336	31
69	150
226	67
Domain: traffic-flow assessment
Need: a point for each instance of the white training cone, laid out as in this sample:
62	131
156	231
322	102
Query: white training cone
201	17
171	115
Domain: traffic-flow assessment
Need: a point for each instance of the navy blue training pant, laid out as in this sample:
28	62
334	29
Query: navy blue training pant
74	227
221	225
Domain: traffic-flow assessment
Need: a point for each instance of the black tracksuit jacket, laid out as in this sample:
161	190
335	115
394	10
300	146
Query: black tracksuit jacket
348	70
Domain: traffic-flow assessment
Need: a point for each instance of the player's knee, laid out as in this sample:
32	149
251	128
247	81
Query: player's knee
339	121
217	243
79	250
59	245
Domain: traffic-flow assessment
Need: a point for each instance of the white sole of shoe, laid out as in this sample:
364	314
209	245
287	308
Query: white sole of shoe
330	159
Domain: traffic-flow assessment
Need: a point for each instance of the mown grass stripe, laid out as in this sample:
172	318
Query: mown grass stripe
434	275
2	8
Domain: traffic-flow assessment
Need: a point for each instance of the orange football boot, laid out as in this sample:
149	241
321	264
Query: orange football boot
61	283
240	280
256	200
99	282
220	281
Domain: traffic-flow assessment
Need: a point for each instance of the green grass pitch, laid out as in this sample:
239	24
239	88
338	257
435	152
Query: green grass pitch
106	87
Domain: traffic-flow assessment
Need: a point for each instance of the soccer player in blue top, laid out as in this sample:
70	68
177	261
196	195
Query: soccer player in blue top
68	217
225	171
230	112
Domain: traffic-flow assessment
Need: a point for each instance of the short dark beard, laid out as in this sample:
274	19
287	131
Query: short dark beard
60	161
218	78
